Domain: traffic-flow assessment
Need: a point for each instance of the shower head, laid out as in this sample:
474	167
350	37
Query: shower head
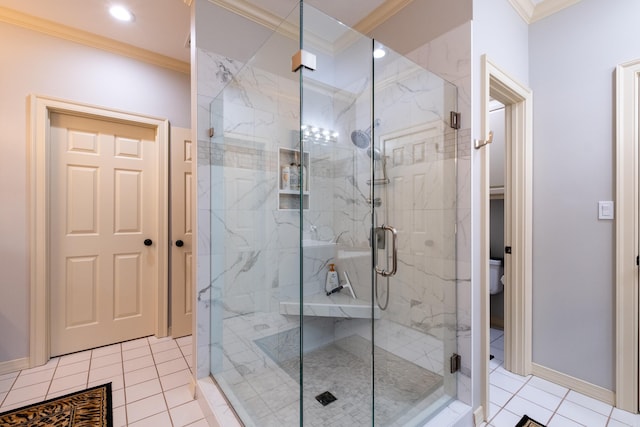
362	138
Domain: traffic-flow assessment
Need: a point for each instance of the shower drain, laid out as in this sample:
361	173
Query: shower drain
326	398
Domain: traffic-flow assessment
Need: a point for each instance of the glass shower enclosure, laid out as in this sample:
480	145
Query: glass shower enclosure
333	182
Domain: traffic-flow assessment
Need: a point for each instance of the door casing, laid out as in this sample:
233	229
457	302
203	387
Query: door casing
518	101
627	239
39	109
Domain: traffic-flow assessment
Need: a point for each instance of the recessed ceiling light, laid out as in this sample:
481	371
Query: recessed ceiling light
121	13
379	53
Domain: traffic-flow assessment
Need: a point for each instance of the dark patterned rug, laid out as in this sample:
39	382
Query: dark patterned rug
91	407
528	422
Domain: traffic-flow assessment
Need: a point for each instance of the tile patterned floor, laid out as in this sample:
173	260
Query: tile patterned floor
511	396
150	382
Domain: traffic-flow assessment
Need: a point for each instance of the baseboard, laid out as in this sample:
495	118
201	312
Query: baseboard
478	416
14	365
575	384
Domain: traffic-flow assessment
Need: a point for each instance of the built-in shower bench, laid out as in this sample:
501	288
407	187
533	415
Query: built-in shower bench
340	304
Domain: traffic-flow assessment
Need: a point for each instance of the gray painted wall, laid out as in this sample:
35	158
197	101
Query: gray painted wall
573	55
43	65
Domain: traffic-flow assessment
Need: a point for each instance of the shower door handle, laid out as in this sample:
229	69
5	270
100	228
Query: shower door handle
394	253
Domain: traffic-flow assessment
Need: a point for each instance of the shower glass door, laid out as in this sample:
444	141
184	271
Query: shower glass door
413	193
337	360
379	161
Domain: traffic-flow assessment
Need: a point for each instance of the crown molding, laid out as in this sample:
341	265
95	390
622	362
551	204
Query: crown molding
531	12
549	7
273	22
525	9
88	39
258	15
383	12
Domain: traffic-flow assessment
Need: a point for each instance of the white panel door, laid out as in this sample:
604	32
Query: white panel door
182	187
104	189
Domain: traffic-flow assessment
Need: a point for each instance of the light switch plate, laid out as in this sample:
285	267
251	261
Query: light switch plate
605	210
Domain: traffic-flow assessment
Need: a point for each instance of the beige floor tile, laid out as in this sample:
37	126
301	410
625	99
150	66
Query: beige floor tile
144	408
27	378
165	356
120	417
128	345
140	376
107	360
171	366
178	396
186	414
175	379
26	394
136	352
138	363
70	381
159	420
105	372
75	358
163	346
142	390
72	369
108	349
117	382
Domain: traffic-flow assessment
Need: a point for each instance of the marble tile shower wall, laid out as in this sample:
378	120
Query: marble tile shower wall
449	56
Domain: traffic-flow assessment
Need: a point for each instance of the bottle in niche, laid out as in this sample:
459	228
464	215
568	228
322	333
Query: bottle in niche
286	185
294	177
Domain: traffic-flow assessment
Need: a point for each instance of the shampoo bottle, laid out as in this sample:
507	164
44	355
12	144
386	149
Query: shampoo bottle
332	279
285	178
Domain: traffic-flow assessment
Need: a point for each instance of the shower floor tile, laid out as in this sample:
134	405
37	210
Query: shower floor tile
264	388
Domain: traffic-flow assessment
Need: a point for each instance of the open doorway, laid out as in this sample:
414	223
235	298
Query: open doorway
496	234
517	212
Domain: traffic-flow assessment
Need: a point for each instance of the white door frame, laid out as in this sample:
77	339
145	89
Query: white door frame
518	101
627	245
38	141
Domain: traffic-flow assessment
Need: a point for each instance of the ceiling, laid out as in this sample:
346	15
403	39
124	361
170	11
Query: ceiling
162	26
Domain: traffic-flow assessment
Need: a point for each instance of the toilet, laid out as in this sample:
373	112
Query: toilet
495	276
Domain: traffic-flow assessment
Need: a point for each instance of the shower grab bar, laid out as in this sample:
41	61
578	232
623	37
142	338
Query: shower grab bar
394	253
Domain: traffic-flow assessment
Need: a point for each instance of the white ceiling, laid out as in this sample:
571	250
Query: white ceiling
162	26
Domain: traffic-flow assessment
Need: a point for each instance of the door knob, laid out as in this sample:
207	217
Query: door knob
148	242
179	243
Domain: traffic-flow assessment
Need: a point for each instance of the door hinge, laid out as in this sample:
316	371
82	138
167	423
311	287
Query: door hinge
212	132
454	119
456	361
638	260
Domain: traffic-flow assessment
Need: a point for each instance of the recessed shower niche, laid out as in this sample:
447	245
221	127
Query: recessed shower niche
277	340
294	183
